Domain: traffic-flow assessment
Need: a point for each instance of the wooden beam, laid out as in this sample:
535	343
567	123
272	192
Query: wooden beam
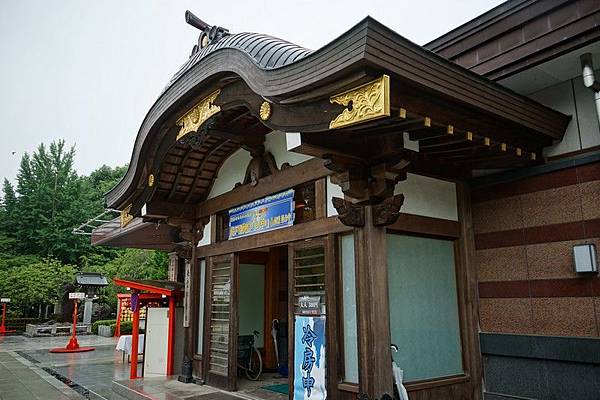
426	225
209	154
302	231
179	173
304	172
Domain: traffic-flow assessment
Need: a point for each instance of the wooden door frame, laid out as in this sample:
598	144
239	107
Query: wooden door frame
229	382
327	242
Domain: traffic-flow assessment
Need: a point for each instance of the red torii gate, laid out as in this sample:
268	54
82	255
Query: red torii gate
154	290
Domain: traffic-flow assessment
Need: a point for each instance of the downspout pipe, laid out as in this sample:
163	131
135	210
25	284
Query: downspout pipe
589	79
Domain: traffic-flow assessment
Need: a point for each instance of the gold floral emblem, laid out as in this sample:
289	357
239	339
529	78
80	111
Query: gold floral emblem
265	110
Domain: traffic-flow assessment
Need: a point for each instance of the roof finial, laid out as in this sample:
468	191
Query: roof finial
209	34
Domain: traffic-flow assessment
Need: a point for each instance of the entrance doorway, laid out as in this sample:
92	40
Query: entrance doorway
263	317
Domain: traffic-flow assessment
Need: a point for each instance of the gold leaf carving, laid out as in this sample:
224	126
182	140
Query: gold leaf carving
126	218
364	103
265	110
150	180
202	111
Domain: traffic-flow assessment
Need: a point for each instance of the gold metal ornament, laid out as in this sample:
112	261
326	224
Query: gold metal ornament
125	217
150	180
265	110
191	121
363	103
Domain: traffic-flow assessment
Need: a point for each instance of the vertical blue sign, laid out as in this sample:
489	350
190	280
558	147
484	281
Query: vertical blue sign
262	215
309	358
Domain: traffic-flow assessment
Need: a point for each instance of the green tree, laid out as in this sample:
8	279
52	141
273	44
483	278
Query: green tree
50	200
39	282
132	264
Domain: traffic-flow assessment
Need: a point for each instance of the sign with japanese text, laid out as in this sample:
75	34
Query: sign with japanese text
309	305
262	215
77	295
4	300
309	358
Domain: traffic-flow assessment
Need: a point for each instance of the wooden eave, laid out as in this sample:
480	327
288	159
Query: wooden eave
520	34
367	50
137	234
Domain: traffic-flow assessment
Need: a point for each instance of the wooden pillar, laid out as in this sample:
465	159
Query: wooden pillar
192	233
472	351
373	316
369	206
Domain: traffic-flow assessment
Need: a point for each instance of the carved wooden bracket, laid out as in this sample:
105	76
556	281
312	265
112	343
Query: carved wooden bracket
350	214
367	184
183	250
388	211
190	231
262	164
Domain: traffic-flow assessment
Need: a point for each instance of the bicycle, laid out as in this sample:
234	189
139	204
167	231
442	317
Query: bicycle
249	359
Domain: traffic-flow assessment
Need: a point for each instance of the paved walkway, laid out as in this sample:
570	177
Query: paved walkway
29	371
19	380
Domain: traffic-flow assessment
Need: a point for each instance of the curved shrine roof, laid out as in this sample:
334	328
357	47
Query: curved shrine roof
266	51
291	77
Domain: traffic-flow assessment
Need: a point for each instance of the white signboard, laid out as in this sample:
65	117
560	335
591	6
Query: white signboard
187	301
5	300
77	295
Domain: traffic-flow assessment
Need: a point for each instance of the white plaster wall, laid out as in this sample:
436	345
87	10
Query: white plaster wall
333	190
276	144
423	195
206	235
231	172
428	197
233	169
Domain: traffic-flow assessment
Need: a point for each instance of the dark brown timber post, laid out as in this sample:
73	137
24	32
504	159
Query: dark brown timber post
369	206
192	233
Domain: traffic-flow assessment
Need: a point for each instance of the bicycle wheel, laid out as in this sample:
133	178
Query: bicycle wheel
255	366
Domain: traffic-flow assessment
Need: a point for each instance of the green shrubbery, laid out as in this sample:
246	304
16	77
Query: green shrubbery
108	322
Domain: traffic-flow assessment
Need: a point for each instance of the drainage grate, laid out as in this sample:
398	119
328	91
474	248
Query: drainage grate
73	385
27	357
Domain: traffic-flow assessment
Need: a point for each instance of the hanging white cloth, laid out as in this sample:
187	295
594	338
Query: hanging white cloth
398	377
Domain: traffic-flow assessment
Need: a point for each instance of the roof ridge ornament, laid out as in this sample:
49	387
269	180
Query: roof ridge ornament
208	35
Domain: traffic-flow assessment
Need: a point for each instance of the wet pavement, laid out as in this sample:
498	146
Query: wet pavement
28	371
78	375
20	380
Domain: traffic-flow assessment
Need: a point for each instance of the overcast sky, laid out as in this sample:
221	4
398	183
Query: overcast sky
88	71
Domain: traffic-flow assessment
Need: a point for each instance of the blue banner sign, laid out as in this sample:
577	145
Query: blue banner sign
309	358
262	215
